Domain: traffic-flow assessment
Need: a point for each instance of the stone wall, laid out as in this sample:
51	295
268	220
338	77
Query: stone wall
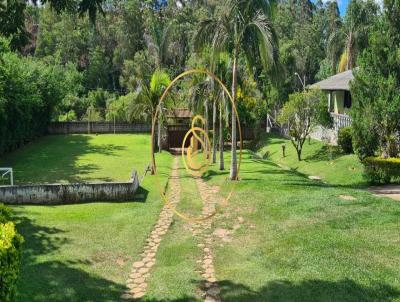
70	193
96	127
323	134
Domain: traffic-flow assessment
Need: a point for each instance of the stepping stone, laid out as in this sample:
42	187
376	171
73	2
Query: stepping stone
143	270
208	261
137	290
138	264
135	275
138	295
143	285
150	264
347	197
139	280
126	297
315	177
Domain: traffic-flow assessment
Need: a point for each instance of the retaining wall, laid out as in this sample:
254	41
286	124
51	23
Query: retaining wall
70	193
96	127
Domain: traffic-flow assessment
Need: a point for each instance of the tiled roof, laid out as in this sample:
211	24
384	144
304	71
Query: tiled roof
339	81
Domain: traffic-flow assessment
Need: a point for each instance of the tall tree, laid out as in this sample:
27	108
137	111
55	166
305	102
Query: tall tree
240	27
376	89
360	16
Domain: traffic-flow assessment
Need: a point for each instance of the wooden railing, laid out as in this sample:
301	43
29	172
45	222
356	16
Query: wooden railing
341	120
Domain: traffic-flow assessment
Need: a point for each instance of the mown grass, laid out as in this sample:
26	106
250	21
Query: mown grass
84	252
300	241
318	160
78	158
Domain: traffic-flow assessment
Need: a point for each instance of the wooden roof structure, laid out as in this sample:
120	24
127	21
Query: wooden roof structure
180	113
340	81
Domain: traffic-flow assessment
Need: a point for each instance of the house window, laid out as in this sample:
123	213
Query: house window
347	99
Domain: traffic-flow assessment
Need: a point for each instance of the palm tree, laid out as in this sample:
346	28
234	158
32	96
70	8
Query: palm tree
147	100
353	36
242	26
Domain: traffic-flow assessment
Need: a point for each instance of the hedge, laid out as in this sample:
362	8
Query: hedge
10	256
29	92
382	170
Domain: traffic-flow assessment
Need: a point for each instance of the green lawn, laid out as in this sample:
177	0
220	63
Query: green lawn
77	158
299	240
83	252
318	160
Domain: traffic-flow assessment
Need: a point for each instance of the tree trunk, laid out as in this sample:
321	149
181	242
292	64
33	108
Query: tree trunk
221	138
299	148
214	143
159	133
233	172
206	129
153	159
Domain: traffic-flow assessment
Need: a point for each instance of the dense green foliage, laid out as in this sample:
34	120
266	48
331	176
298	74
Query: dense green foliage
381	170
345	140
5	213
376	89
29	92
10	255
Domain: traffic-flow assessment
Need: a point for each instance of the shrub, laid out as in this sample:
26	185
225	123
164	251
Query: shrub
5	214
345	140
10	258
381	170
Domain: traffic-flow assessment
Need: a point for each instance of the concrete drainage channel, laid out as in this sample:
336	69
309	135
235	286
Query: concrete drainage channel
70	193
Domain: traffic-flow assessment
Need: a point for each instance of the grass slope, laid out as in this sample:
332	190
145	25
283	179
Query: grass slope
333	167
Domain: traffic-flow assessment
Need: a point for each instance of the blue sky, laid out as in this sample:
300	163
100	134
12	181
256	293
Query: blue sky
342	6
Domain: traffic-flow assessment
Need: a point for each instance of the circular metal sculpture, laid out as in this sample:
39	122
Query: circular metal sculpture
197	156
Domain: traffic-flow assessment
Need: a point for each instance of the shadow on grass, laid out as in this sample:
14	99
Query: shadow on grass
56	280
308	290
304	291
301	179
53	159
323	153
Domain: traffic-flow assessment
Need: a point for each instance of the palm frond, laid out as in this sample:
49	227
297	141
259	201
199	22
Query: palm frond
261	41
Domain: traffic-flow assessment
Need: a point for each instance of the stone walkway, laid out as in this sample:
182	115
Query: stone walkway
202	229
137	282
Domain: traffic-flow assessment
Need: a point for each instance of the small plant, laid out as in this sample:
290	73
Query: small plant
345	140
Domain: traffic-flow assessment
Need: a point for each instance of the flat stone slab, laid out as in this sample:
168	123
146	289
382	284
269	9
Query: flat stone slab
315	177
347	197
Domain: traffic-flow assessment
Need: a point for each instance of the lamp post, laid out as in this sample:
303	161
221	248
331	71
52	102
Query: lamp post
303	82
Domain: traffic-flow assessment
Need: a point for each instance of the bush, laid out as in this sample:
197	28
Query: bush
29	92
10	258
345	140
381	170
5	214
